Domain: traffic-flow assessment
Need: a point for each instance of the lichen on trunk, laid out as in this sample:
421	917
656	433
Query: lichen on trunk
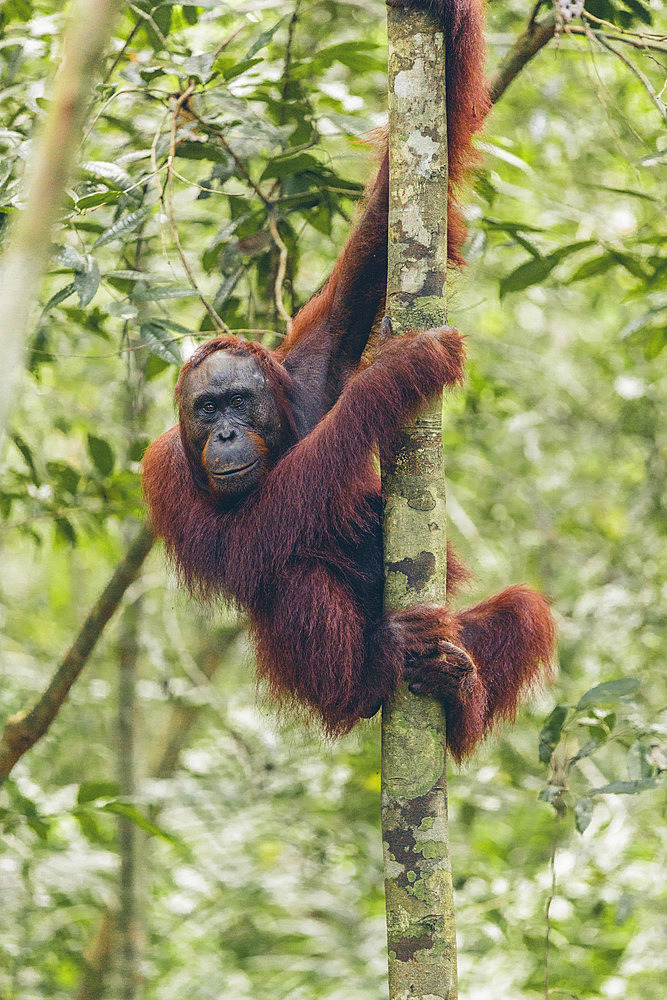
418	882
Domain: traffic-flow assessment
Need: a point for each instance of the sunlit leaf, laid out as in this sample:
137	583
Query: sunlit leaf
101	453
610	691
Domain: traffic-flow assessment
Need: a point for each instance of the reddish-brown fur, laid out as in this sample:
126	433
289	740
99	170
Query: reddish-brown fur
302	551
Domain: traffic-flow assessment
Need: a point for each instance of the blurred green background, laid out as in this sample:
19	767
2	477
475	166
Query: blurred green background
235	853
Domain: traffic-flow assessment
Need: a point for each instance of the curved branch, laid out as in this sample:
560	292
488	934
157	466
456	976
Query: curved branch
24	729
527	45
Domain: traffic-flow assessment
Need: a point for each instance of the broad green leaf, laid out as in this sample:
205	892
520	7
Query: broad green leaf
639	10
529	273
284	166
101	453
110	173
625	787
264	38
610	691
536	270
190	149
596	265
89	791
550	732
632	264
26	451
231	69
510	227
68	257
583	812
161	342
123	227
65	529
94	200
137	817
586	750
87	281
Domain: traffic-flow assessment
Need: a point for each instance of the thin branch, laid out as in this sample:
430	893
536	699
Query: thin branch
24	729
636	40
527	45
121	53
280	272
643	79
182	105
150	20
625	31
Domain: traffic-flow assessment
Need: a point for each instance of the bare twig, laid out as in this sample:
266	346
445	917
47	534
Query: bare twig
180	106
121	53
599	37
24	729
636	39
145	16
280	272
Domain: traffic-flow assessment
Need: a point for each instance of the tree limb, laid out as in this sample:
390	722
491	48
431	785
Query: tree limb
88	32
527	45
24	729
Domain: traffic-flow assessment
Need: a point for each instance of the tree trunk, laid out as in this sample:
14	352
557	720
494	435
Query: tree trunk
89	27
418	882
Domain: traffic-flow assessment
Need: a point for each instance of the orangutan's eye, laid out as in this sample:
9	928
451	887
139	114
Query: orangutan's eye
236	401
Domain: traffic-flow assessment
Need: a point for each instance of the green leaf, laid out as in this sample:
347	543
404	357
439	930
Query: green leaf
639	10
102	455
87	281
66	476
60	296
264	38
511	227
625	787
65	529
89	791
230	69
597	265
529	273
506	156
583	812
631	263
586	750
291	163
137	817
123	227
110	173
96	199
160	341
26	451
164	292
610	691
550	732
191	149
638	761
68	257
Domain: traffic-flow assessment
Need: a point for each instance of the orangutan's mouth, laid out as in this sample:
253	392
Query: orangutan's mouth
234	472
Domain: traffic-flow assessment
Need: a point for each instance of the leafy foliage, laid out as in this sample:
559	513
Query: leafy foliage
221	149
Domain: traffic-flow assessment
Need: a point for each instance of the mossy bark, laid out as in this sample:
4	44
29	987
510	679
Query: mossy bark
418	882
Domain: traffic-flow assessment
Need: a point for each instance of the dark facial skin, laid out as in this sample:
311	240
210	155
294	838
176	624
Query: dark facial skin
231	423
